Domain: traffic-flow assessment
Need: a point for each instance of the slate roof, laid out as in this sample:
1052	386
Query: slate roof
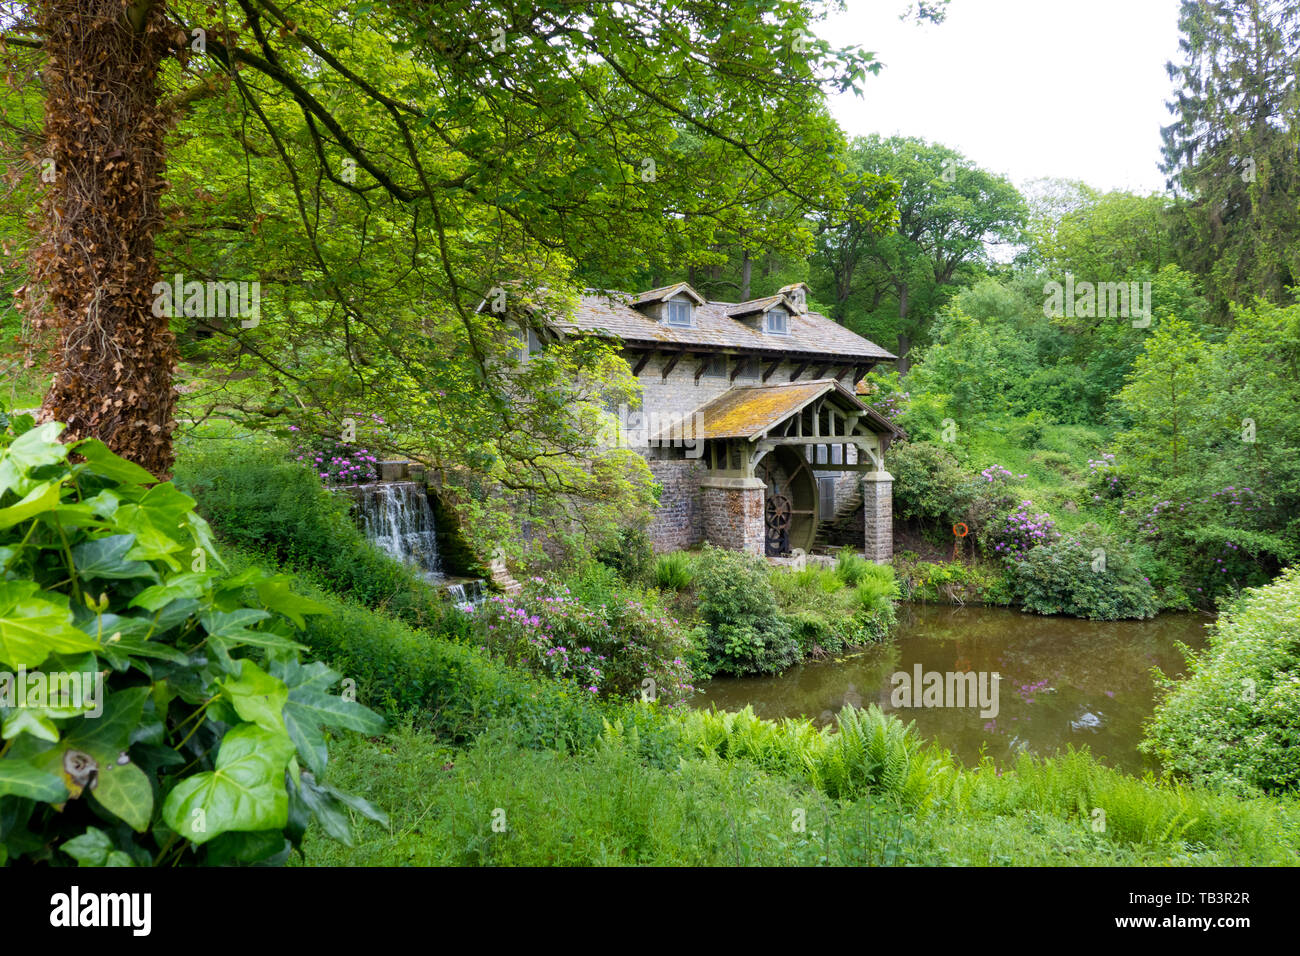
810	334
748	411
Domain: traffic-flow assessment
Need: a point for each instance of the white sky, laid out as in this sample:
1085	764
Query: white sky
1070	89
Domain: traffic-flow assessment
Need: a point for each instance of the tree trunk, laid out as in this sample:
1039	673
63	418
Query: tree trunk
746	272
904	342
95	271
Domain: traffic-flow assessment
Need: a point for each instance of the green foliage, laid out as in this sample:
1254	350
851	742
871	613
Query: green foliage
1084	575
926	478
258	499
746	634
852	567
870	753
1231	149
626	646
952	582
606	808
172	720
1235	721
629	554
826	615
673	571
891	281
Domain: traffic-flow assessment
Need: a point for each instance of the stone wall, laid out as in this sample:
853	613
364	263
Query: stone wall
679	521
878	515
733	513
682	392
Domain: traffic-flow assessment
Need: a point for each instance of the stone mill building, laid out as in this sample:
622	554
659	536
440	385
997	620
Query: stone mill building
750	420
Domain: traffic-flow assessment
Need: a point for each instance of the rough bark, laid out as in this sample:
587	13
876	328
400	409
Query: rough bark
93	276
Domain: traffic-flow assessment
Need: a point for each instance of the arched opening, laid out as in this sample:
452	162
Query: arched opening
790	507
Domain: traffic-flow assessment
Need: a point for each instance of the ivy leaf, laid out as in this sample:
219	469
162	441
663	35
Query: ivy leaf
124	791
19	778
228	629
33	449
257	696
32	627
334	711
245	792
102	461
29	720
154	519
275	594
40	499
190	584
106	558
106	736
90	849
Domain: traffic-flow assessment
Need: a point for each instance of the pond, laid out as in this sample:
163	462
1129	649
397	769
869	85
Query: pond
1063	681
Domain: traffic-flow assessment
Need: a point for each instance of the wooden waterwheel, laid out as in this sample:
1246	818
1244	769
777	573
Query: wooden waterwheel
790	507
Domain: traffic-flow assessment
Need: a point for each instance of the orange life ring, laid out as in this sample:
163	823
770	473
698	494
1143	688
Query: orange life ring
964	530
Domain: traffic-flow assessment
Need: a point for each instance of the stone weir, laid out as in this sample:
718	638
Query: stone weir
403	516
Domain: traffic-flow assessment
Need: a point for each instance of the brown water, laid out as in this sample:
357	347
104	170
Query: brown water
1063	681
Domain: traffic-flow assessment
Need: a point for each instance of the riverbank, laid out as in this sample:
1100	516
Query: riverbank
1063	681
492	761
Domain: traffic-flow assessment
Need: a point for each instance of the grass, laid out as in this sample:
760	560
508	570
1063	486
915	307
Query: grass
607	807
1056	468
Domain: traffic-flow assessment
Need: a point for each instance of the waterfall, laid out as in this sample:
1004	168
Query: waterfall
470	591
397	517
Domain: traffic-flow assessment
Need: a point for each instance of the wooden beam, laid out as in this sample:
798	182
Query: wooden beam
672	364
821	370
741	364
703	366
776	364
645	357
798	371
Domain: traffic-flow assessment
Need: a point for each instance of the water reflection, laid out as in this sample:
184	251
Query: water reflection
1063	680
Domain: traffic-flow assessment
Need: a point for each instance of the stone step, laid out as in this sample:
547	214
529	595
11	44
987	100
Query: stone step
502	577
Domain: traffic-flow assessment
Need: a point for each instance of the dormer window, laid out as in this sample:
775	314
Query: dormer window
776	322
678	312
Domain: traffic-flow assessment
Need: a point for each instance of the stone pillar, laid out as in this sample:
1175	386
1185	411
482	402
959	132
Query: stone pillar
733	513
878	515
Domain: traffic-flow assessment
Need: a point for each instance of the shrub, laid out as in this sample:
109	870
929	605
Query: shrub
629	554
870	752
1029	431
1085	576
263	502
207	734
674	571
1235	721
745	632
1020	531
623	648
336	462
926	481
454	689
